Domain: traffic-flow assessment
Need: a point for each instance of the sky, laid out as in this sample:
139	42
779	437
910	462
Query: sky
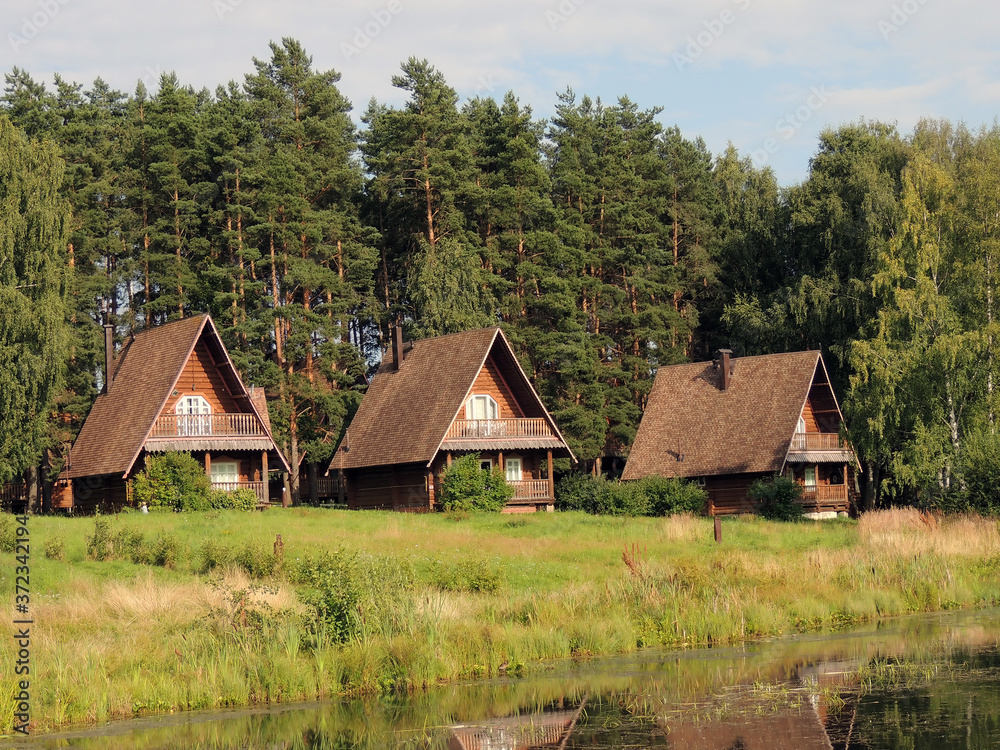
767	76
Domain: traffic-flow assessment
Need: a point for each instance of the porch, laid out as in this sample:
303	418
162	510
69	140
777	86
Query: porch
499	429
259	488
825	498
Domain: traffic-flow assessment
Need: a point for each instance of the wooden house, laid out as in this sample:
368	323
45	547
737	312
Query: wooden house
172	388
436	399
726	423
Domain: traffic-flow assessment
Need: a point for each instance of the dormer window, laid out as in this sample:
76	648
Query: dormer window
482	407
801	426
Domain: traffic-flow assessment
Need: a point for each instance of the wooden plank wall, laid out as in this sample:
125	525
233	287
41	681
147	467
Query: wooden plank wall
388	488
489	381
727	494
207	381
107	494
810	417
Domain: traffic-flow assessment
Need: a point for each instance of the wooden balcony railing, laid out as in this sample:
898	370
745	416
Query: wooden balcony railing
13	494
817	441
260	488
531	489
826	497
207	425
498	429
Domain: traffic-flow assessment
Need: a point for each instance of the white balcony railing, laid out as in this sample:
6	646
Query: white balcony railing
260	488
207	425
498	429
531	489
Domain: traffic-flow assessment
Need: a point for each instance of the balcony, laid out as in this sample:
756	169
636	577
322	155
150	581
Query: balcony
259	488
817	441
500	429
527	490
825	497
207	425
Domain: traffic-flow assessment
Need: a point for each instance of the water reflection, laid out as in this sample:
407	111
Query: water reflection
922	682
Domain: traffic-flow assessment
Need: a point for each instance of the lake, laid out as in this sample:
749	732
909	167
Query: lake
929	681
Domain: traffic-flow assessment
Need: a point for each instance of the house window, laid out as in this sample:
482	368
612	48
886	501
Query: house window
486	464
194	416
810	478
225	472
513	467
699	482
802	424
482	407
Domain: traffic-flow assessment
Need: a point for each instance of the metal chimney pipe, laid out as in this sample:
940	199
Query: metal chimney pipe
724	365
397	346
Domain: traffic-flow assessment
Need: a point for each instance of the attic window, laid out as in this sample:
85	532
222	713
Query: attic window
194	416
482	407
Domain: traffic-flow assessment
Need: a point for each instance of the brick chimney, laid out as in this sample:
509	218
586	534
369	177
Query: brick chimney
109	355
726	364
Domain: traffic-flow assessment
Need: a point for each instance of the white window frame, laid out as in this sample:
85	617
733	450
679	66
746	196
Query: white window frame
513	468
486	464
222	470
801	426
194	415
491	409
810	473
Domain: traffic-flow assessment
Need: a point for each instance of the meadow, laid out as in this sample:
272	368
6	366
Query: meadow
137	614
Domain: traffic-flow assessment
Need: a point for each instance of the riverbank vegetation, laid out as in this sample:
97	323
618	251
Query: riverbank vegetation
167	612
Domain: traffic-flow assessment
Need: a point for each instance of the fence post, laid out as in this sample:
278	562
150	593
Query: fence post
718	529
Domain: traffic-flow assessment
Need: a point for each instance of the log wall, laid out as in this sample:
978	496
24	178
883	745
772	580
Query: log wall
201	373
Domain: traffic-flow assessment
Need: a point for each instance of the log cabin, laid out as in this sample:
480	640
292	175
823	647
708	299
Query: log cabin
726	423
171	388
439	398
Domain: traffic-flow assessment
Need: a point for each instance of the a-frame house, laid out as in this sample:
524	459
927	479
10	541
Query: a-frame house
172	388
726	423
436	399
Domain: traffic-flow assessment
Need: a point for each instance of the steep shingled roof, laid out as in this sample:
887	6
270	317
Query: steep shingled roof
405	414
145	373
747	428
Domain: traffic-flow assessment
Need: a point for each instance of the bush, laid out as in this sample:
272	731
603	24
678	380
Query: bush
578	491
465	486
778	498
652	496
172	481
8	533
242	498
331	589
55	548
670	496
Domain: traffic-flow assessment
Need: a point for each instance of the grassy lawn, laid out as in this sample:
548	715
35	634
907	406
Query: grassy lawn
196	610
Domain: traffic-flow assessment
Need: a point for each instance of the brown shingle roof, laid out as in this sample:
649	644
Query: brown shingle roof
405	414
145	373
745	429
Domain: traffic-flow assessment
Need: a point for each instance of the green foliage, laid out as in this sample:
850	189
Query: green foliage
473	575
982	473
778	498
242	498
465	486
331	589
651	496
55	548
172	481
669	496
8	533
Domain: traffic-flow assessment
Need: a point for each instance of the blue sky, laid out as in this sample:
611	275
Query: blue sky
767	75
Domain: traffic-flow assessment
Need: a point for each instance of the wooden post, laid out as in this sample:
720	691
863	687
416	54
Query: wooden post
447	459
341	487
552	480
718	530
500	463
208	465
266	494
430	489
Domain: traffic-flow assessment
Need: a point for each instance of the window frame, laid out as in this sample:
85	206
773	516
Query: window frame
489	405
232	469
514	461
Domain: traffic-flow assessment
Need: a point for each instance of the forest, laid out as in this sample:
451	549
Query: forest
603	242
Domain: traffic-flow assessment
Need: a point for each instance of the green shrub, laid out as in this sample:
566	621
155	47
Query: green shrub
578	491
777	498
8	533
652	496
981	464
55	548
465	486
242	498
475	575
99	545
670	496
331	588
172	481
165	551
215	555
622	499
255	559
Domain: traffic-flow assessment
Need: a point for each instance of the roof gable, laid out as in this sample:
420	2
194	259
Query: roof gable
146	372
692	428
405	414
